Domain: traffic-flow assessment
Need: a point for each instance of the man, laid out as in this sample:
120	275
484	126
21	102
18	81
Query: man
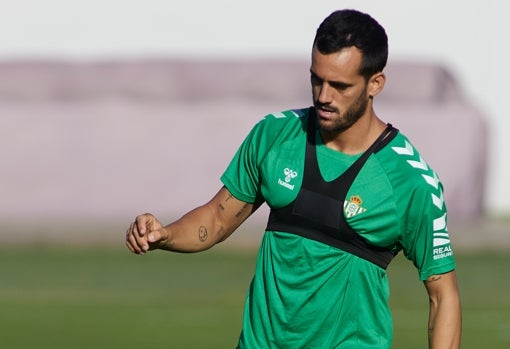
347	192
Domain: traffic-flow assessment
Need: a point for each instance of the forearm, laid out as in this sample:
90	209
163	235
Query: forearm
197	230
207	225
445	321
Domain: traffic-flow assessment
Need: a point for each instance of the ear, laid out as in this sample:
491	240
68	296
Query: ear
376	83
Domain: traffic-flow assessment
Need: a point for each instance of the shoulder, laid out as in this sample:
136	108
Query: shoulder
288	119
280	126
415	184
400	158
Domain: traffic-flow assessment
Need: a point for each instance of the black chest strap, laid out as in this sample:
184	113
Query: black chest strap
318	211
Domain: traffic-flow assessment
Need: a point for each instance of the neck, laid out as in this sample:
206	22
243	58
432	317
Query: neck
357	138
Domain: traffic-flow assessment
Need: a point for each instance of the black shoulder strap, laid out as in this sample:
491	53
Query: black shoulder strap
384	138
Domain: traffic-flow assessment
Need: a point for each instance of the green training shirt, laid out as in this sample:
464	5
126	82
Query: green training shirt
306	294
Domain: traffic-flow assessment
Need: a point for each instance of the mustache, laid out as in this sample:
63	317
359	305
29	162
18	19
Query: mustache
325	106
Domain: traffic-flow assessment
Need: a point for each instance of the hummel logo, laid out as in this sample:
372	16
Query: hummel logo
289	174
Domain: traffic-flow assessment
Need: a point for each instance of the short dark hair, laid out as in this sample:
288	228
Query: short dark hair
347	28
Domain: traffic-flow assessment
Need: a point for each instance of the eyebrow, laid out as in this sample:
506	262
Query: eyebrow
334	84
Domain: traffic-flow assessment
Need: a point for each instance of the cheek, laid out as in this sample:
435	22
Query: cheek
315	92
343	101
352	98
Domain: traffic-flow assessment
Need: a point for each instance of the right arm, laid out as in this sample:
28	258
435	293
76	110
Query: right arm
198	230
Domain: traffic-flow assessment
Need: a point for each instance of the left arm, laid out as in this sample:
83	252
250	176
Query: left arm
445	311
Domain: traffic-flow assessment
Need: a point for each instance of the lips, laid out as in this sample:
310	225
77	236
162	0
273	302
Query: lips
325	113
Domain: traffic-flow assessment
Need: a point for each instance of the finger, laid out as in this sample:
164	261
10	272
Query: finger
139	226
157	236
128	243
130	246
141	242
133	245
143	222
139	230
136	242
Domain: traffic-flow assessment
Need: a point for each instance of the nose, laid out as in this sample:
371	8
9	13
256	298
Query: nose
323	93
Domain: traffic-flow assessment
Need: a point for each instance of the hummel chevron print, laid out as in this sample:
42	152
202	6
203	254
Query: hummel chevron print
440	231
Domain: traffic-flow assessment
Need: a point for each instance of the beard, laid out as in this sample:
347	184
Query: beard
353	113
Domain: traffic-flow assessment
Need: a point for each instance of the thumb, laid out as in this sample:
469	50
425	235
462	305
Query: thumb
158	235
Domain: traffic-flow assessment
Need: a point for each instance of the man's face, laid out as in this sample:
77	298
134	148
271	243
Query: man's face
339	91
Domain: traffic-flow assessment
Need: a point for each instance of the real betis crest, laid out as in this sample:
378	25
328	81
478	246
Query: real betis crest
353	206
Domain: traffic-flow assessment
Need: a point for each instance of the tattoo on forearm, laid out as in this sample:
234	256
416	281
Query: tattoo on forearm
221	207
434	278
241	211
202	233
230	196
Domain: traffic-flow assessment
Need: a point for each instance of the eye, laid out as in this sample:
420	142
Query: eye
339	86
315	80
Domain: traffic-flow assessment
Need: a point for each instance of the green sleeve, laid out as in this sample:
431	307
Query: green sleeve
242	176
245	175
426	241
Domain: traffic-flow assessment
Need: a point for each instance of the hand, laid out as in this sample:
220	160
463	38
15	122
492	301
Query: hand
145	233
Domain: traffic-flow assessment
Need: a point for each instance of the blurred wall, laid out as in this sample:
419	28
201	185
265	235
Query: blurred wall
465	36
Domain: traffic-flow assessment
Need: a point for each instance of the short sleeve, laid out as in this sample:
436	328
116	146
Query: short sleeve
426	241
242	175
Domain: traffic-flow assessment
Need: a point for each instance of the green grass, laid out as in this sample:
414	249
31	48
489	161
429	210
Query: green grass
485	292
57	297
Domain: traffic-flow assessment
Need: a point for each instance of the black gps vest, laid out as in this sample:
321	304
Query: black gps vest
318	211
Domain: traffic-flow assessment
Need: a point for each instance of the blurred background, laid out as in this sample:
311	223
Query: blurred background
109	109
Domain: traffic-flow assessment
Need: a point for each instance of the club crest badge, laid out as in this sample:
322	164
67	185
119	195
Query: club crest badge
352	207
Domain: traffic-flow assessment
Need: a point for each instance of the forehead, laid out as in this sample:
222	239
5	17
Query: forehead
338	66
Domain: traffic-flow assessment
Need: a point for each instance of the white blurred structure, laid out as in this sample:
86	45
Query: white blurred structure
105	140
466	37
